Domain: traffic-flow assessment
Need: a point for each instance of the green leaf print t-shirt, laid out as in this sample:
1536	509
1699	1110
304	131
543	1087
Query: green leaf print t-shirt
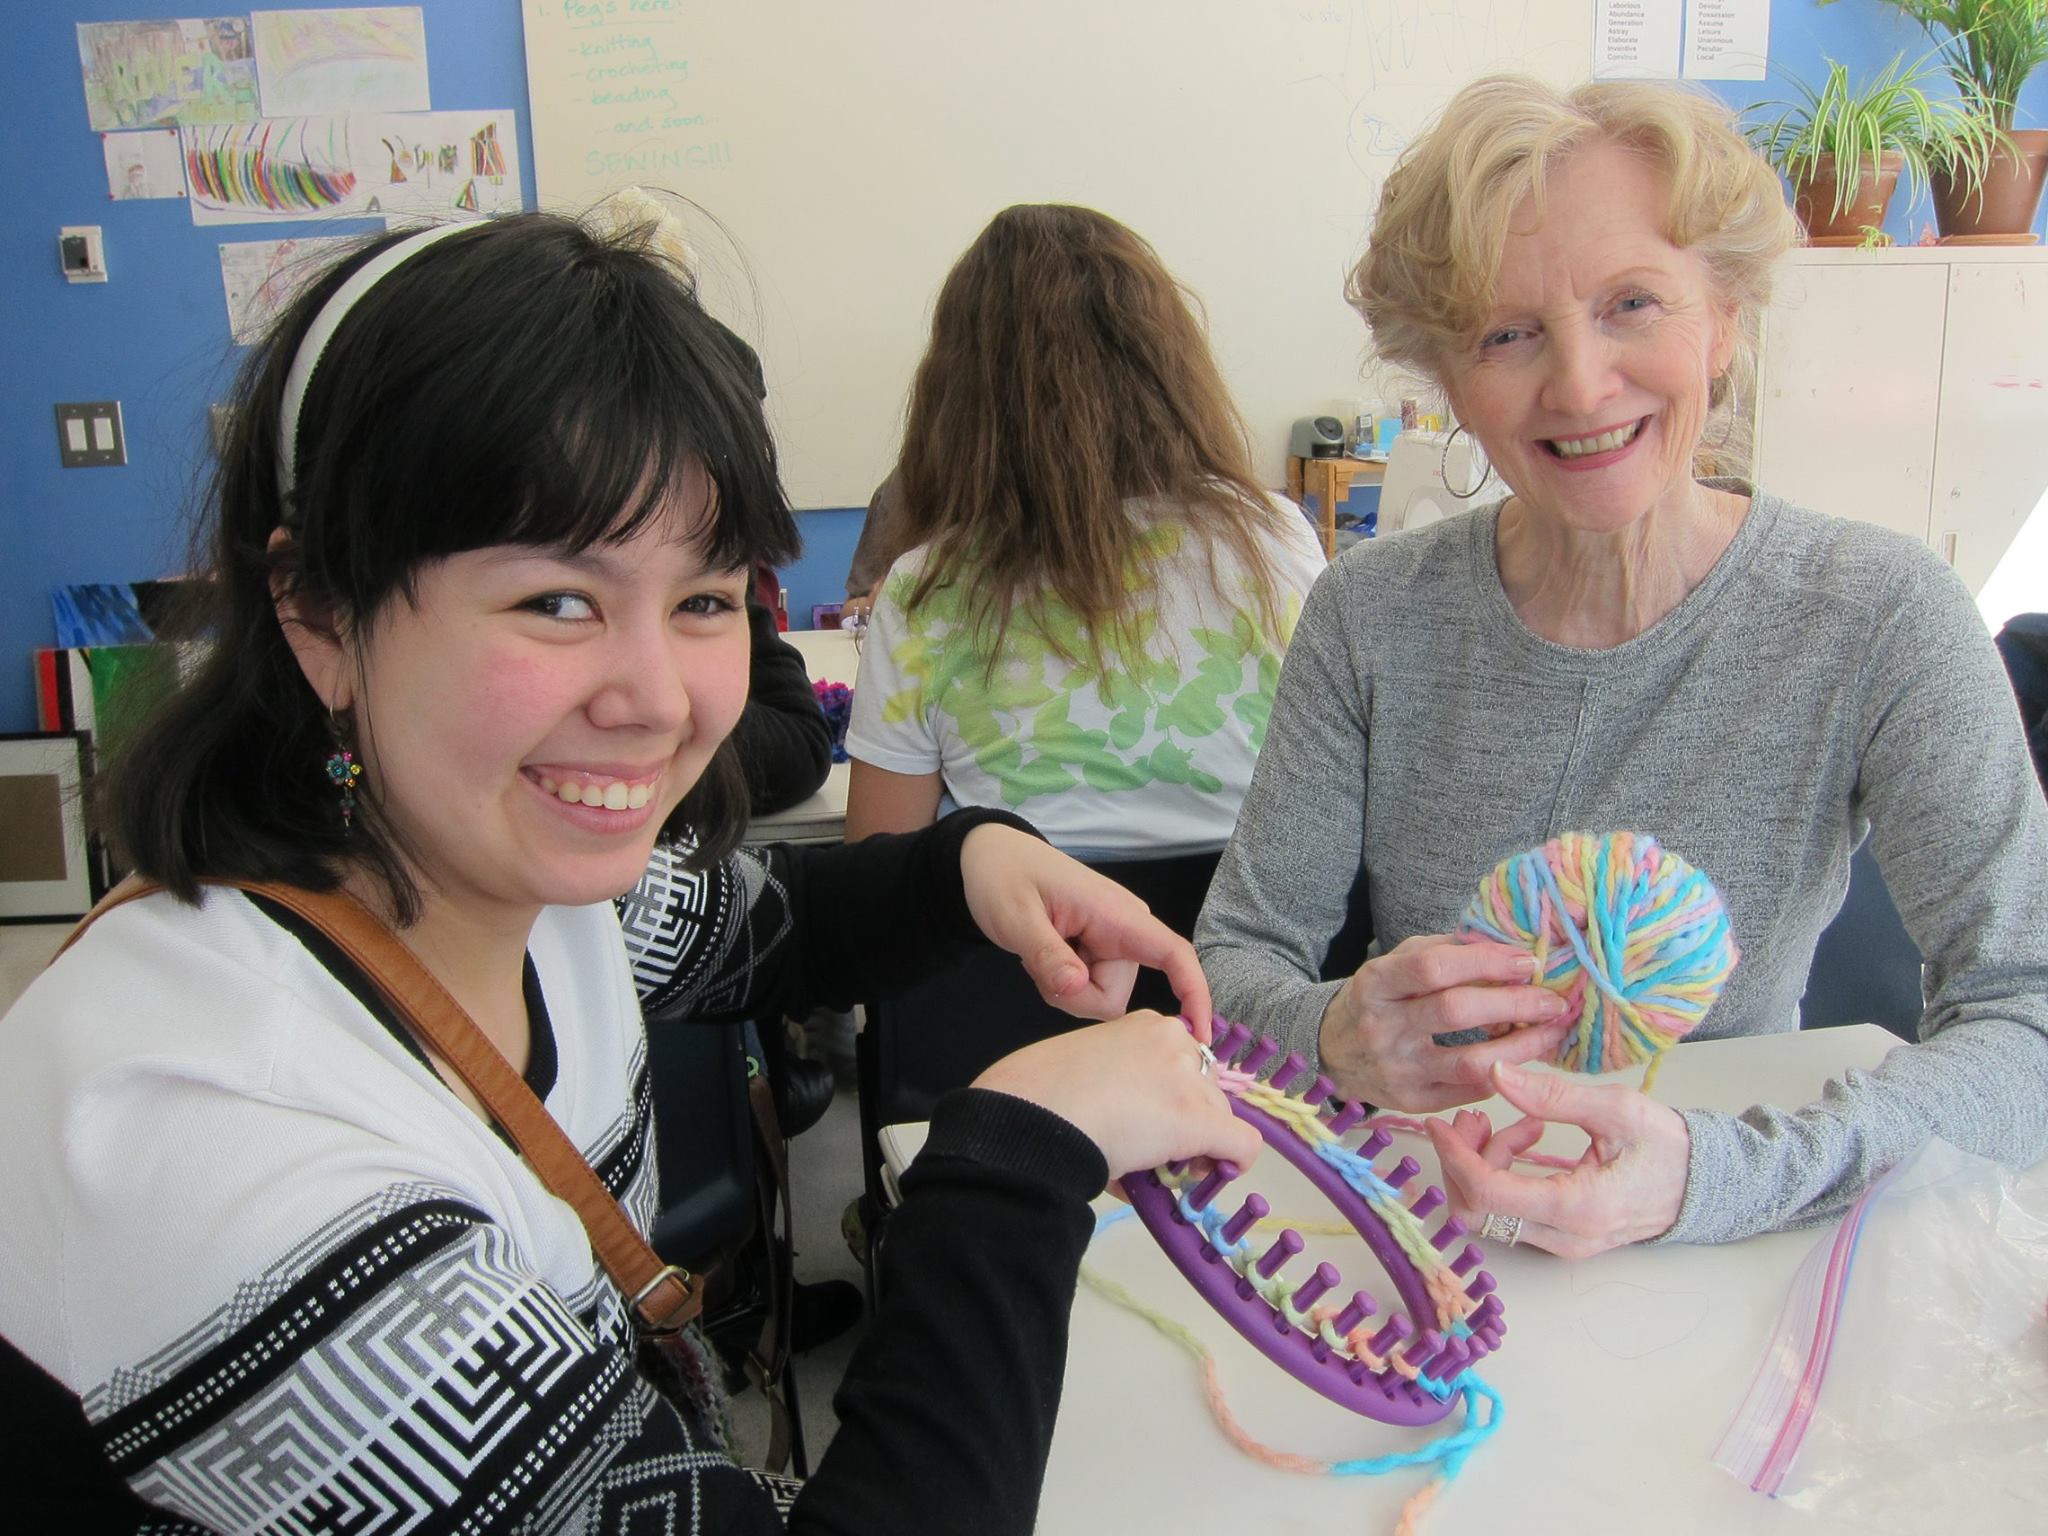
1151	760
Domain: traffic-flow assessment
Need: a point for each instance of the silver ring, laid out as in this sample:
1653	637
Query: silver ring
1208	1059
1497	1228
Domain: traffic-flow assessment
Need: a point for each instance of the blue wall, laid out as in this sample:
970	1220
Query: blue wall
155	335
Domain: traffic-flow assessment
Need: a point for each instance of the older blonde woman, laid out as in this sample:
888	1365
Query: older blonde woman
1620	645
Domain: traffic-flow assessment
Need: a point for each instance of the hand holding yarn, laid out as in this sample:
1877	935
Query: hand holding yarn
1627	1187
1632	937
1380	1032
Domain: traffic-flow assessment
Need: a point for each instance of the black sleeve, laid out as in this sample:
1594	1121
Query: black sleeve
777	931
783	739
946	1411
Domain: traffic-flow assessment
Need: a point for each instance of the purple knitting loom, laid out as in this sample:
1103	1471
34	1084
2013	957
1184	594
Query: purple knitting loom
1386	1394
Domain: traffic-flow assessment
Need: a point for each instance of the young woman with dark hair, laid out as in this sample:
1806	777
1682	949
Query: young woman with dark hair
483	531
1089	621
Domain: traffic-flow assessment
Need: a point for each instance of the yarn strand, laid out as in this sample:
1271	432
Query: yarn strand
1446	1452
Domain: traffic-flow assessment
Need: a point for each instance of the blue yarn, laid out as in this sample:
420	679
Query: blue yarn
1452	1450
1109	1219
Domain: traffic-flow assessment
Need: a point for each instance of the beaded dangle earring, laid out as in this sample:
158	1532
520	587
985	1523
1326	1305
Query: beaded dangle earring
342	771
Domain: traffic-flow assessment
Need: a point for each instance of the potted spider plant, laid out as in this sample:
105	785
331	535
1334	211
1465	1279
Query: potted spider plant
1989	48
1844	149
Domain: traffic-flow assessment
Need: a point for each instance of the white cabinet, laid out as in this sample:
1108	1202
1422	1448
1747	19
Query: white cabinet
1910	388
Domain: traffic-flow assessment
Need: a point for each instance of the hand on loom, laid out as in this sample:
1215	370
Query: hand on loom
1080	934
1136	1087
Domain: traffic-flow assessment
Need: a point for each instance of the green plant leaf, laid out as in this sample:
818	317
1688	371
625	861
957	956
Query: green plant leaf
1856	127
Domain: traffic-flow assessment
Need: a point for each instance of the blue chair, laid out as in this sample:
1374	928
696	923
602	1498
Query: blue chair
1866	968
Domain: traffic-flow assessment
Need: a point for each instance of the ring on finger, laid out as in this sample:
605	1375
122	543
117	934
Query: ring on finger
1497	1228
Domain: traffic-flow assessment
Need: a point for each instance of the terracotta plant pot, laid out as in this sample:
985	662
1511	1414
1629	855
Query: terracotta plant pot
1814	200
2005	204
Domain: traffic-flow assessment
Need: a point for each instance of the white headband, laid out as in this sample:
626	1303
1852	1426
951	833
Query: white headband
322	330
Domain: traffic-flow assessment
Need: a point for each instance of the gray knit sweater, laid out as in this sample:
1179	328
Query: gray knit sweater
1827	677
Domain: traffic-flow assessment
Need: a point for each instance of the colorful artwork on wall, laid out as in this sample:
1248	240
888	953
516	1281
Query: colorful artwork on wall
151	74
380	164
262	276
362	59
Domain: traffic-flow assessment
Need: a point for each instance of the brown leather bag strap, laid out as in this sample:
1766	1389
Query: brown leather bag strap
665	1296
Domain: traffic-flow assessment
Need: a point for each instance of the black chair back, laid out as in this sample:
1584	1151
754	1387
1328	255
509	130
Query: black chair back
2023	643
1348	945
709	1210
703	1138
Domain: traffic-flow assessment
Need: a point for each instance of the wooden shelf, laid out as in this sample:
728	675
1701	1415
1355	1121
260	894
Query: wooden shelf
1329	480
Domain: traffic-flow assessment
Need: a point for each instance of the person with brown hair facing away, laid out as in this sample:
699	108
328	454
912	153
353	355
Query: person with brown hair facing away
1088	623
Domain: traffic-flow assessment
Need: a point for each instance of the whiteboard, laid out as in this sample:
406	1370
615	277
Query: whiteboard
853	149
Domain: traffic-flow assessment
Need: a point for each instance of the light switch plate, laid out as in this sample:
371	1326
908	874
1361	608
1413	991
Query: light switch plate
82	253
89	434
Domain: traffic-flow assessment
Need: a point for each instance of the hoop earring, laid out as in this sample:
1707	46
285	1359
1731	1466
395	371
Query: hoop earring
1715	441
1443	467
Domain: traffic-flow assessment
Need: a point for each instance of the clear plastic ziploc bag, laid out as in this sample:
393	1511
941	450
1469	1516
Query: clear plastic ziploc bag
1908	1372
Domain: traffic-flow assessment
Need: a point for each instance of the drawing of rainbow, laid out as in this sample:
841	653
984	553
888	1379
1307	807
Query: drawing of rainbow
252	168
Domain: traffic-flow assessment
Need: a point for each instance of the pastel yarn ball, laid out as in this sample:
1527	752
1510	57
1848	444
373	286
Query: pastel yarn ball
1629	934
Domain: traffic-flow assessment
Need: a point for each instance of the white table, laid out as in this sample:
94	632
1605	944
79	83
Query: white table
1619	1373
819	818
830	656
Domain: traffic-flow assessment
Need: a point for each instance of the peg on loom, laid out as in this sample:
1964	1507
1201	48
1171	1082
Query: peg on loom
1263	1052
1448	1361
1422	1347
1250	1214
1311	1291
1287	1321
1218	1176
1287	1246
1397	1328
1228	1040
1362	1306
1347	1116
